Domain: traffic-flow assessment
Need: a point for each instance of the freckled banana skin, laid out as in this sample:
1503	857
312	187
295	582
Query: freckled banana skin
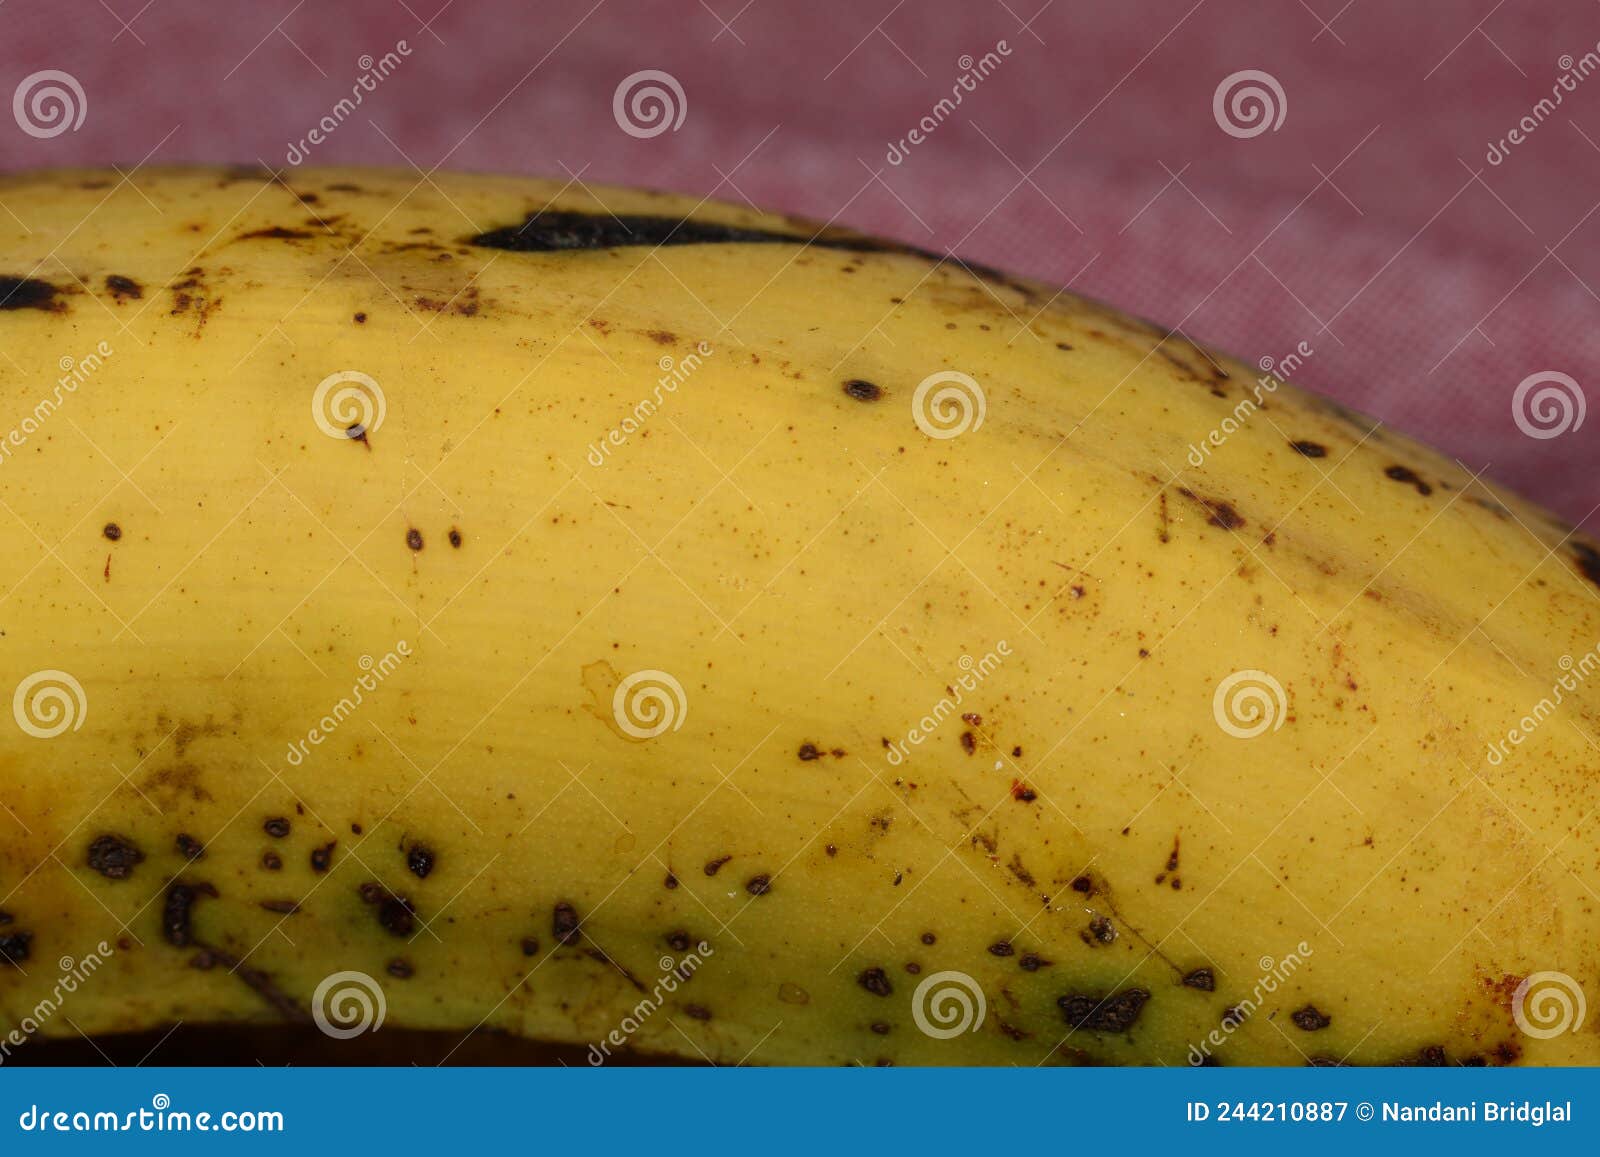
816	572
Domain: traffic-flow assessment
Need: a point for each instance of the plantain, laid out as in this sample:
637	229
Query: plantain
485	605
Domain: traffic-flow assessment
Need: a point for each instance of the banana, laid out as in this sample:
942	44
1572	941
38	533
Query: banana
489	605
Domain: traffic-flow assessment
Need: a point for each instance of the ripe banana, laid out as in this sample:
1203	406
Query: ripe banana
490	605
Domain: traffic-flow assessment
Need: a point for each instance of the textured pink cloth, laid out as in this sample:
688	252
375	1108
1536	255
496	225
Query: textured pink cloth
1428	282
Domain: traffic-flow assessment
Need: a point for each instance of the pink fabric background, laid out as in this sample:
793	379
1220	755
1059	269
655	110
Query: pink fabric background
1428	282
